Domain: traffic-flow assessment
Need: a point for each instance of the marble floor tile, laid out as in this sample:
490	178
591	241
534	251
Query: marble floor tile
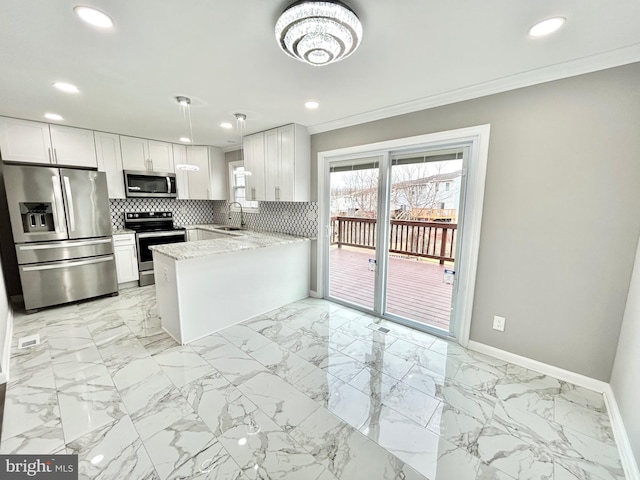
44	438
28	407
456	426
154	403
347	453
283	362
583	419
113	452
234	364
187	449
244	338
88	402
318	385
308	391
425	451
283	403
264	451
534	395
513	456
182	365
218	403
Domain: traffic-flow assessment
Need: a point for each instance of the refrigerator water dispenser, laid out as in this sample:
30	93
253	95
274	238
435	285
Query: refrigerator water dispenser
37	217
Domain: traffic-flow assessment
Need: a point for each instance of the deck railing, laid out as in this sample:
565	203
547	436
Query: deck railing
435	240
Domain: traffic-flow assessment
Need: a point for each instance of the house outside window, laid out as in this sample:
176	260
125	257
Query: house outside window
237	185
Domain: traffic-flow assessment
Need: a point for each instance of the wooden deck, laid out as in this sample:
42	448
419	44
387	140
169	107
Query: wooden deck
415	288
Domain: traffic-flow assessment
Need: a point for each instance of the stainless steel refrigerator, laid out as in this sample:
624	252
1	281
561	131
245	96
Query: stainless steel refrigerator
62	232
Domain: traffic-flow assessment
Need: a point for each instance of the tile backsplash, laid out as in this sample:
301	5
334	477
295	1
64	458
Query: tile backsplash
294	218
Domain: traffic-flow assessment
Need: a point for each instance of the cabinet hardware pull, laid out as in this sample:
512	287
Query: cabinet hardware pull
55	154
50	157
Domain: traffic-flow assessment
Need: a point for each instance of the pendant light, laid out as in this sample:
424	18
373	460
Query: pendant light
185	107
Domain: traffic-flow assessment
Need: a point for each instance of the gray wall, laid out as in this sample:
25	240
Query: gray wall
560	220
626	369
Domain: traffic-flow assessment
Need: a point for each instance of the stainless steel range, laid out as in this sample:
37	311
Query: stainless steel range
152	228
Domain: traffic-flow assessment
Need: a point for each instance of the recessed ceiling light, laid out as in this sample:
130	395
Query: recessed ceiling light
185	139
93	16
545	27
226	125
312	105
53	116
66	87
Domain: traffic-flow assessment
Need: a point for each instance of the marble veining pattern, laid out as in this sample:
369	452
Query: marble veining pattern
229	243
309	391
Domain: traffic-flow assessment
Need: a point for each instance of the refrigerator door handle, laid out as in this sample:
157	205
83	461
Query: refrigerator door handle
57	204
47	246
72	217
77	263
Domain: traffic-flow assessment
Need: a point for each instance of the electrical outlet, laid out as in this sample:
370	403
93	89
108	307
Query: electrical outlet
498	323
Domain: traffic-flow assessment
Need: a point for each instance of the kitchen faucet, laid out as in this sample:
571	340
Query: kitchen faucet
242	224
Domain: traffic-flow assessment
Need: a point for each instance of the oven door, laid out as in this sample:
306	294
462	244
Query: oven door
148	239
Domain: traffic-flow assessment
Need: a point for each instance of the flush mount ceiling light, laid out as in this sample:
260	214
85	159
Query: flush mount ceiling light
66	87
53	116
545	27
312	105
184	104
93	17
226	125
318	33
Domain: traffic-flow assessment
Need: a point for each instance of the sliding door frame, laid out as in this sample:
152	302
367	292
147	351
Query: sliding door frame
477	139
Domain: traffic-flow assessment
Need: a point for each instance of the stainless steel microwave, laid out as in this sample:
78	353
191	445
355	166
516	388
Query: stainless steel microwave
150	184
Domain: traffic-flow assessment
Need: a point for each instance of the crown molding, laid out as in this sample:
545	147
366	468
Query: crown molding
580	66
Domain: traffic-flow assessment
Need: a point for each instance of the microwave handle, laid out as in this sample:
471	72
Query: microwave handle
168	185
135	188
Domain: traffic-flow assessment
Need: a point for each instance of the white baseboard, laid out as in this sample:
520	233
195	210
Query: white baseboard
314	294
559	373
627	458
5	361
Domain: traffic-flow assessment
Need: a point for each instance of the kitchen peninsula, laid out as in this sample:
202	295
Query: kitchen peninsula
205	286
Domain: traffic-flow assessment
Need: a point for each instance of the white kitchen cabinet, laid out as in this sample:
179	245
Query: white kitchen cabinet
36	142
284	172
141	154
110	162
193	234
193	184
218	174
199	180
182	177
73	146
124	248
254	166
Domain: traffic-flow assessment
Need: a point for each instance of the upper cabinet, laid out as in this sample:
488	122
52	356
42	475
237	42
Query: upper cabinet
110	162
253	150
36	142
279	162
141	154
205	183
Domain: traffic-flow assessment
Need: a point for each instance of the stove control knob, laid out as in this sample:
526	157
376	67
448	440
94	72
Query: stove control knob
136	215
164	214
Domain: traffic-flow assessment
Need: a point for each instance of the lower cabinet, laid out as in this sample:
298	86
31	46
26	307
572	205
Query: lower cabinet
124	248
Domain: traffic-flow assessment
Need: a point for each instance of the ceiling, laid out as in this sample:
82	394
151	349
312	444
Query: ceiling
223	55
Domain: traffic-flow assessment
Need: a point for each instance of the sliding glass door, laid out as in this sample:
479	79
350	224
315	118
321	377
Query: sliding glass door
395	223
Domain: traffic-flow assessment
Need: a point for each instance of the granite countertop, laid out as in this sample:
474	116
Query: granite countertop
122	231
246	240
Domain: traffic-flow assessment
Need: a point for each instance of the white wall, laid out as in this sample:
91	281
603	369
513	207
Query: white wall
625	378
